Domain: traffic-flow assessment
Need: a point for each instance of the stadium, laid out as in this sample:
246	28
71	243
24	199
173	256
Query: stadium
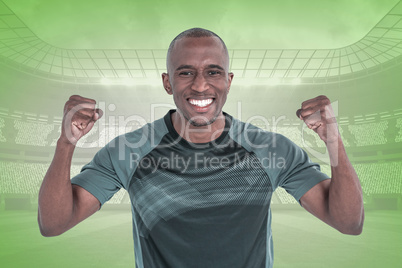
363	80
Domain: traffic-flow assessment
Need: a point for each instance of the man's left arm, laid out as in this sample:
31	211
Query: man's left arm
337	201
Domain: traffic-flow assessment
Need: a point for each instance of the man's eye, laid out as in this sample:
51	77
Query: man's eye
185	73
214	72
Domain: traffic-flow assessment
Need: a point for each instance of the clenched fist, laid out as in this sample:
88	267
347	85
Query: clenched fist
79	117
318	115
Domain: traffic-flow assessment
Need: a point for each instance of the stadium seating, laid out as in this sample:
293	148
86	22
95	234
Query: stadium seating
369	133
380	178
2	125
35	133
398	137
25	177
32	133
21	178
375	178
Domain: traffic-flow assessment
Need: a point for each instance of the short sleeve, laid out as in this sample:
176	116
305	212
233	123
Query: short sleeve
299	174
99	177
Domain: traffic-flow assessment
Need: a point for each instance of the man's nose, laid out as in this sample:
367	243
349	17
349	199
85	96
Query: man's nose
200	84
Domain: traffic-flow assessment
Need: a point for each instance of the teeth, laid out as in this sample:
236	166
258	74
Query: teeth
200	103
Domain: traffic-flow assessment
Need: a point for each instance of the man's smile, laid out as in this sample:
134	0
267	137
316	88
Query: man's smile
200	103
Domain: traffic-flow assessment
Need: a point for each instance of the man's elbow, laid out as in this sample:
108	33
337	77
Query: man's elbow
353	228
49	230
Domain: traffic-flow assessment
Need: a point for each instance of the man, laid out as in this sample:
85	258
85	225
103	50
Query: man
200	181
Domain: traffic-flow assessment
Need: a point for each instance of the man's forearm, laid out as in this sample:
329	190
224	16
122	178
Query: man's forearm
55	204
345	200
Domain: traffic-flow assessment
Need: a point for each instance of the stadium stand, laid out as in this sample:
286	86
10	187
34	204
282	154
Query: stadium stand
26	178
369	133
398	138
36	133
376	178
2	124
32	133
380	178
21	178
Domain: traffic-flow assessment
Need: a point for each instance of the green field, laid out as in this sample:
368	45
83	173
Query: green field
105	240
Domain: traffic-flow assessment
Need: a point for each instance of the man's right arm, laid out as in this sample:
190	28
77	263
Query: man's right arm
62	205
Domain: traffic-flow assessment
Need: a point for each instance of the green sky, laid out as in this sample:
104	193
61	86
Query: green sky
242	24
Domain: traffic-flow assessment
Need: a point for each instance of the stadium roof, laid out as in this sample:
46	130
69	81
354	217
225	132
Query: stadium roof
380	48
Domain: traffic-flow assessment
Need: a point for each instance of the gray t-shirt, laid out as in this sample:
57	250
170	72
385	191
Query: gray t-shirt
200	205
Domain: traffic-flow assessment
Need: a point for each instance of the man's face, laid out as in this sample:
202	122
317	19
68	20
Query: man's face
198	78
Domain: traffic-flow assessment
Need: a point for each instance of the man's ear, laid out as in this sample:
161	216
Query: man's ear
230	78
166	83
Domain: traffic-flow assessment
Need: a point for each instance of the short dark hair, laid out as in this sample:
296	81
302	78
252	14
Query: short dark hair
196	33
